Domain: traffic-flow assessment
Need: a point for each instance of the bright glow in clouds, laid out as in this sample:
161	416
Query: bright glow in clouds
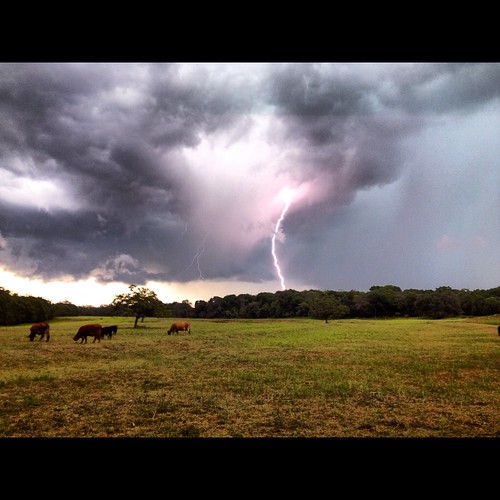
42	194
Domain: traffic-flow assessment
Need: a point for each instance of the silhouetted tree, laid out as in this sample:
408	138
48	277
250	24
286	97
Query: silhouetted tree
141	302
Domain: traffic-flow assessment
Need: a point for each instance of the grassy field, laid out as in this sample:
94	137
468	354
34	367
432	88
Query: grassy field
255	378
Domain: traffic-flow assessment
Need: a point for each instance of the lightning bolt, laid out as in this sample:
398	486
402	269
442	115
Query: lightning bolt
196	258
288	201
185	230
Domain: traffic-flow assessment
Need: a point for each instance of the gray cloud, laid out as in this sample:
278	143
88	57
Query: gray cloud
168	171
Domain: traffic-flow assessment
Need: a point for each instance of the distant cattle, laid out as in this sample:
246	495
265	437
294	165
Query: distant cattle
88	330
498	331
41	329
182	326
109	331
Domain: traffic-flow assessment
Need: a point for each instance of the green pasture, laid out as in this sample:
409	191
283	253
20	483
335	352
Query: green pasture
254	378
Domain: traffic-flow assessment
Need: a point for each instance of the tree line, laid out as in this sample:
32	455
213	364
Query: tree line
387	301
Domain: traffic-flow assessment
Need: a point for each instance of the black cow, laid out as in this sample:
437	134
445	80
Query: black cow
109	331
499	330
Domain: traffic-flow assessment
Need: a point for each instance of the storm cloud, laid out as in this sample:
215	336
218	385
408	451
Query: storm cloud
175	172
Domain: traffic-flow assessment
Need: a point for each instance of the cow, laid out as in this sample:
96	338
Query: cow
88	330
109	331
41	329
498	331
182	326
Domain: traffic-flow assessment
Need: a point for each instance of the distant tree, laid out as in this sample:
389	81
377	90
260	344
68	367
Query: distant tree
361	307
286	303
102	310
7	316
231	306
385	301
182	309
65	308
140	302
200	309
438	304
15	309
250	310
214	308
326	306
265	300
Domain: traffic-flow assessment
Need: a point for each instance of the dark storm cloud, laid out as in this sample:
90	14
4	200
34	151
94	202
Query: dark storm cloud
111	139
348	137
438	88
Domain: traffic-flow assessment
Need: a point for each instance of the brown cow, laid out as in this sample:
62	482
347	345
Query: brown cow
88	330
181	326
41	329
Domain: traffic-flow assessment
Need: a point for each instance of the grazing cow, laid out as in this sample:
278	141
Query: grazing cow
109	331
182	326
88	330
41	329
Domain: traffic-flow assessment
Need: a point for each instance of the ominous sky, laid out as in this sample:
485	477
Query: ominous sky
174	176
